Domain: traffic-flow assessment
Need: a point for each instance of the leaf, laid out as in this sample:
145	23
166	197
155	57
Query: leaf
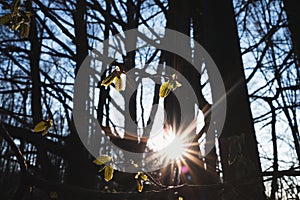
43	126
141	176
103	159
53	195
16	25
134	164
24	30
111	77
180	198
5	19
27	16
118	83
108	173
144	177
164	89
140	185
168	86
178	84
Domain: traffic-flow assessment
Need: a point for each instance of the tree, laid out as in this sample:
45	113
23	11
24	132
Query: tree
268	45
293	19
38	83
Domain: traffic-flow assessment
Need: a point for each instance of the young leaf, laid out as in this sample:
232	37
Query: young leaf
108	173
27	17
43	126
173	76
177	84
134	164
53	195
144	177
118	83
141	176
16	24
103	159
24	30
140	185
168	86
180	198
111	77
5	19
165	89
137	175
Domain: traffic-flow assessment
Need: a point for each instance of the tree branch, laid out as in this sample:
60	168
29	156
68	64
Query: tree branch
5	134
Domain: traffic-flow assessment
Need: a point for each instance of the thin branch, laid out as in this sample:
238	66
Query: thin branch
5	134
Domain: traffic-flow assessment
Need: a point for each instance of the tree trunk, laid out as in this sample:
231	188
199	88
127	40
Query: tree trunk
293	16
179	18
220	39
80	169
36	103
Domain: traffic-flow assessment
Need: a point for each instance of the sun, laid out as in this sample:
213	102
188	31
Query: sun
175	149
171	146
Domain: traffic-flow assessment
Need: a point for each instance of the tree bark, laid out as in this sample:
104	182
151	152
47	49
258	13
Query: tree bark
36	94
179	18
293	16
220	39
80	169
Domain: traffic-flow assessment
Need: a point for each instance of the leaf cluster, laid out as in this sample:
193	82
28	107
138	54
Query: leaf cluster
17	20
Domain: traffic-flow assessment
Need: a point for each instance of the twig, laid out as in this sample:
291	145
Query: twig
4	133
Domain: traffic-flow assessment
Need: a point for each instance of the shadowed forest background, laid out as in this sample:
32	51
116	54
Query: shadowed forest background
255	45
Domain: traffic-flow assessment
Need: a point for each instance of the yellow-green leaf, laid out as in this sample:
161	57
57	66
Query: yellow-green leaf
53	195
5	19
16	25
102	160
180	198
140	185
144	177
177	84
24	30
168	86
141	176
134	164
165	89
43	126
27	17
108	173
118	83
111	77
137	175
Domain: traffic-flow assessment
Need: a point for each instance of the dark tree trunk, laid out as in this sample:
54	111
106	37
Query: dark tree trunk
220	39
293	16
34	58
80	169
36	104
179	18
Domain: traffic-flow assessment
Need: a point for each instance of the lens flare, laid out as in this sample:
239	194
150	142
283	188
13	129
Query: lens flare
175	149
